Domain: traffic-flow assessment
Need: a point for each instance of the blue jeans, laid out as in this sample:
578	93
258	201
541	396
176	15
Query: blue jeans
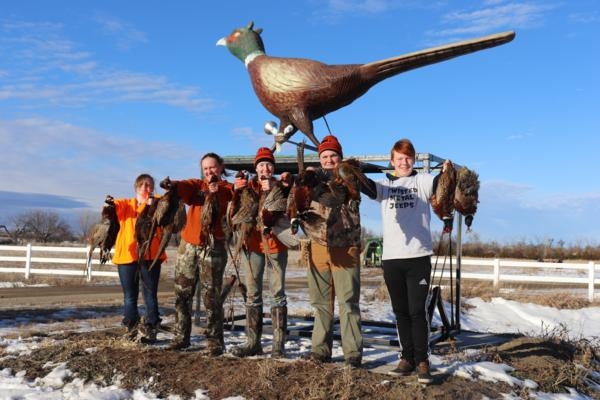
130	275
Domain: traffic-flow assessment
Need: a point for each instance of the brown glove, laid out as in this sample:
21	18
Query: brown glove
167	183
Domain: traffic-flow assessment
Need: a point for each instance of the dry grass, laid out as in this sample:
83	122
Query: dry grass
380	293
559	300
103	358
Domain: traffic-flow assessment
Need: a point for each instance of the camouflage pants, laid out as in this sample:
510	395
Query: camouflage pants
207	265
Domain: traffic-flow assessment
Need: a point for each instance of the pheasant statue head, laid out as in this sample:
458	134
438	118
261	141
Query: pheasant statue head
244	43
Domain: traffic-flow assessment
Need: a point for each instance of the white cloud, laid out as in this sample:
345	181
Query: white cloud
254	139
334	10
48	70
126	34
494	17
590	17
361	6
53	157
527	197
519	136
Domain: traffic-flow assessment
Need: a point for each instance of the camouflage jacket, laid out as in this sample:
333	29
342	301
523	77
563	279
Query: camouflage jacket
332	225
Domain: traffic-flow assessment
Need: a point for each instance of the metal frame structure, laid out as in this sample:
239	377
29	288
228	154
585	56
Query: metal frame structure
426	162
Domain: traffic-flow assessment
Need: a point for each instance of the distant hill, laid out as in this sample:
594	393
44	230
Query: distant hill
14	203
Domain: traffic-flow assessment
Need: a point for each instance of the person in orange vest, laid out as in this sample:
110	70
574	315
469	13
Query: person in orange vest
132	269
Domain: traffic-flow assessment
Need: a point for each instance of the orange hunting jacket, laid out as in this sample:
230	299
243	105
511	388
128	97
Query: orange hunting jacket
126	245
192	192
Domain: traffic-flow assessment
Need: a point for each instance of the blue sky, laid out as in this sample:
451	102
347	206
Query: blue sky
94	93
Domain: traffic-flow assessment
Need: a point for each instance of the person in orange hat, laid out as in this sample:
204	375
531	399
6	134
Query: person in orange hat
334	265
262	248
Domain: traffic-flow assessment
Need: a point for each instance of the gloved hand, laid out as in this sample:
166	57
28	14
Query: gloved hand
167	183
286	179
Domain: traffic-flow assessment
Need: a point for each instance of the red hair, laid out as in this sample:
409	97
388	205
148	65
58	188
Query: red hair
403	146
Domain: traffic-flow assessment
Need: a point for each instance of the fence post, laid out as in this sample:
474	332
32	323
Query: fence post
496	273
28	261
88	265
591	277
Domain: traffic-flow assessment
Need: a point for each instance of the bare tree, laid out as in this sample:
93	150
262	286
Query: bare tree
86	221
42	226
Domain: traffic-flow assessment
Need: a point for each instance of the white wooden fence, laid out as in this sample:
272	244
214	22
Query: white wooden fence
584	274
494	270
28	260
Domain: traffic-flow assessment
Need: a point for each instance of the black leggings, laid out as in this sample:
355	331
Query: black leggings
407	281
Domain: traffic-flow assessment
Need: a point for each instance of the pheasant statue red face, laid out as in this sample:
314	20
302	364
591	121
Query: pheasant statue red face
298	91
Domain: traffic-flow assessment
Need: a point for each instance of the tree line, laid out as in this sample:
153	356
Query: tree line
43	226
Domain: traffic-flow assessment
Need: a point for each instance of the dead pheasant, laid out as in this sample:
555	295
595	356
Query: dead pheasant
144	230
466	195
442	201
209	215
170	217
273	213
298	90
272	205
166	213
348	173
242	214
301	196
104	233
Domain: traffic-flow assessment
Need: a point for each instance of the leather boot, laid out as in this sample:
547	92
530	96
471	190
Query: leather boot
131	331
279	318
215	346
254	325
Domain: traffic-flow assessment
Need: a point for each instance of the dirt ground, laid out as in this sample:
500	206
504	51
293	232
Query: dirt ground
103	357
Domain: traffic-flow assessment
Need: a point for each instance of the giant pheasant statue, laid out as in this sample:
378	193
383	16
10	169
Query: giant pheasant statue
299	91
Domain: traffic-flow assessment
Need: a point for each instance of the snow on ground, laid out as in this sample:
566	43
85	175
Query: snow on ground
19	284
497	316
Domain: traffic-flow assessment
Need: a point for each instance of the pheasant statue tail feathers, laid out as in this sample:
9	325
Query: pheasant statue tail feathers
299	91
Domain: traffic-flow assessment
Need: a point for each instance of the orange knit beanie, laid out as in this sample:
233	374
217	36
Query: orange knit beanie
264	154
330	142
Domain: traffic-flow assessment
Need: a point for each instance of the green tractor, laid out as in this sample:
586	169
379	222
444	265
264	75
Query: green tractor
371	254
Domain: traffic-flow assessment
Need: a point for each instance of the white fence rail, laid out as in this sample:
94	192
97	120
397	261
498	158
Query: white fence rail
584	274
27	259
494	270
